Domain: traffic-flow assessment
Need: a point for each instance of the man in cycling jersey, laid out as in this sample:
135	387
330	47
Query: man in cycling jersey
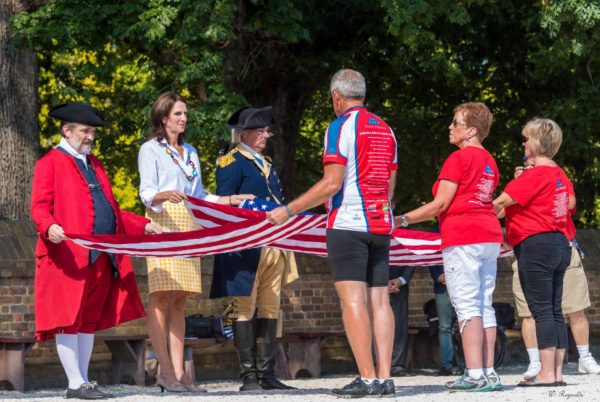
360	162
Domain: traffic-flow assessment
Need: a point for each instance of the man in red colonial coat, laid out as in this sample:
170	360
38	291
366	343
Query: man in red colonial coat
79	291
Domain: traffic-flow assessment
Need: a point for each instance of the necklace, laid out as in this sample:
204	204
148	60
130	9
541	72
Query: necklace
188	162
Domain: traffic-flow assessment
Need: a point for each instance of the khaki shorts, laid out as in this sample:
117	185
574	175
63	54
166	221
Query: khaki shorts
576	295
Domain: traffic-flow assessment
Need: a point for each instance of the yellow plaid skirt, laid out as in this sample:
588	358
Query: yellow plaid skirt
173	273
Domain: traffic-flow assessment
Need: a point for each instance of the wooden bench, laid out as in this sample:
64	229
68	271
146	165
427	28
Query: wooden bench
304	353
128	357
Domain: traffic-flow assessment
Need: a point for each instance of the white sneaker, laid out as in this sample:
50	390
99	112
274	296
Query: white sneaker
588	365
534	369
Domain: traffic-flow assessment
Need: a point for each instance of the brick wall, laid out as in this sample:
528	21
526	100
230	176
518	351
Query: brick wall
309	304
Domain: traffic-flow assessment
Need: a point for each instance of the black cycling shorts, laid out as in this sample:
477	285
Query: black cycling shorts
359	256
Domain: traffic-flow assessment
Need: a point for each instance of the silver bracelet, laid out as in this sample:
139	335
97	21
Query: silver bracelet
288	211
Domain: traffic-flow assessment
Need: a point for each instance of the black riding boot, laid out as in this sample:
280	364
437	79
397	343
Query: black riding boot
245	344
266	351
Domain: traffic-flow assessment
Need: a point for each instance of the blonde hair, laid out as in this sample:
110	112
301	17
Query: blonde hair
544	136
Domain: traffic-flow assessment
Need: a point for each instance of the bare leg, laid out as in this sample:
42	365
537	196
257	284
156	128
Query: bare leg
580	327
382	320
558	363
157	324
489	342
472	341
548	358
177	333
528	332
355	315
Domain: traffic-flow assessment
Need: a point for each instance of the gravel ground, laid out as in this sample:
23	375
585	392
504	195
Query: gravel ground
419	387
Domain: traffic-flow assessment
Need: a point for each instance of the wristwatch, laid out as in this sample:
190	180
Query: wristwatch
403	221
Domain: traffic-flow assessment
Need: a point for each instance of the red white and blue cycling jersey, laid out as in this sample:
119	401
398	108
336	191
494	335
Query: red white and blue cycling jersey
366	145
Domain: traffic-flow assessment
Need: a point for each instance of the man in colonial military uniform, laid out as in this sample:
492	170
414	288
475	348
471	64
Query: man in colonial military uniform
255	276
79	291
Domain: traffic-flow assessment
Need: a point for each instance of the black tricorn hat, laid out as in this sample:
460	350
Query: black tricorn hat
78	112
249	117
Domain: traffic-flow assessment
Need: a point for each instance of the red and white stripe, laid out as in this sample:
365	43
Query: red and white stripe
228	229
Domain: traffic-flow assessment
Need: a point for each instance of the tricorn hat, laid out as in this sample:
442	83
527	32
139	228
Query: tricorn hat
248	118
78	112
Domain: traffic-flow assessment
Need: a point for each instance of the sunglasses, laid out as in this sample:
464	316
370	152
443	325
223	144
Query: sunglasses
525	139
457	123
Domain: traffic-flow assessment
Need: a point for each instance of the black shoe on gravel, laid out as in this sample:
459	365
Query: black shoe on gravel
359	389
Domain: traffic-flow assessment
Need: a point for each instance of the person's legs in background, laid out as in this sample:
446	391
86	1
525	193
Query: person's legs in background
580	328
445	314
399	306
576	298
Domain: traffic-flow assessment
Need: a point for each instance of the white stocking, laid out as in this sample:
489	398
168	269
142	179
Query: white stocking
68	351
86	345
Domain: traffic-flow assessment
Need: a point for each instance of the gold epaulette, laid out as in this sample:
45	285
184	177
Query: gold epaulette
227	159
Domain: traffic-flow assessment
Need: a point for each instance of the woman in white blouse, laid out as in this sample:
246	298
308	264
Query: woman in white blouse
170	171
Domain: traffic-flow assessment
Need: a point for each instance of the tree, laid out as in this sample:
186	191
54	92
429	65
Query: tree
523	59
220	54
18	122
420	57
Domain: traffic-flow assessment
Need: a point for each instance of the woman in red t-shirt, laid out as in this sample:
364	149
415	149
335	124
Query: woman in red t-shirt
536	205
471	239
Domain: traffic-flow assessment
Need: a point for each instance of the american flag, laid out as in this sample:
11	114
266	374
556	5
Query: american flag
228	229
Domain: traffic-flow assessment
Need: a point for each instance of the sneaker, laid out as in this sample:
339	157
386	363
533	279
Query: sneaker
445	372
588	365
388	389
494	381
358	389
468	384
533	369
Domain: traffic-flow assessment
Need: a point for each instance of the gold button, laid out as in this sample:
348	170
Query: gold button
268	198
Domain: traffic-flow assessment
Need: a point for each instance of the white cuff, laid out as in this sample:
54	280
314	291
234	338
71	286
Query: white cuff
211	198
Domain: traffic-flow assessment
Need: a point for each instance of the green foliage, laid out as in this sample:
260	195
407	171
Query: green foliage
523	59
421	58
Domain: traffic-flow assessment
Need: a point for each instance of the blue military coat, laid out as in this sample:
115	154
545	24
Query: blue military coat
238	172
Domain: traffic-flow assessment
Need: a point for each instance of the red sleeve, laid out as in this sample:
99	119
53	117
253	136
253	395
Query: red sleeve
42	196
133	223
524	188
451	169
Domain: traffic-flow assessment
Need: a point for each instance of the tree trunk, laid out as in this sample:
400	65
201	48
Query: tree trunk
266	72
18	117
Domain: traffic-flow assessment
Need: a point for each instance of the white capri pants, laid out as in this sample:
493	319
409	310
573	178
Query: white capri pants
471	278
